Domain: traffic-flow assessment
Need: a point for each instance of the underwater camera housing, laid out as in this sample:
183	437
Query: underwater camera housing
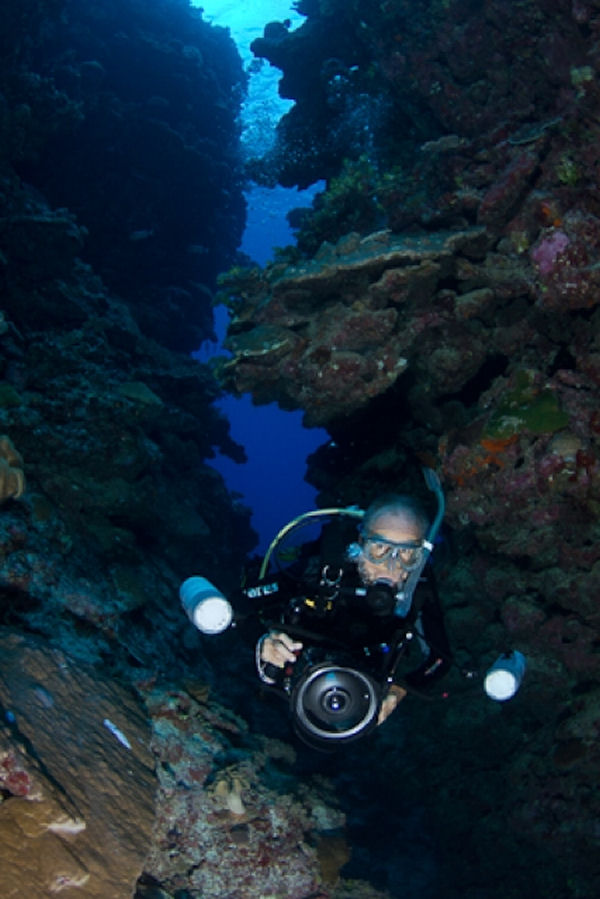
332	702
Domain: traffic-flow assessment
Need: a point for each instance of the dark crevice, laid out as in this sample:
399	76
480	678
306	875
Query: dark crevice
564	360
471	391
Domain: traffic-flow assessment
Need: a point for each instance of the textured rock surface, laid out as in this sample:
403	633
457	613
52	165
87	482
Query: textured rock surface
382	79
77	777
232	820
499	392
331	334
110	430
114	427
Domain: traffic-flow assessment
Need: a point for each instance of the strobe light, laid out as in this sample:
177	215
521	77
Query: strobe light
205	605
504	678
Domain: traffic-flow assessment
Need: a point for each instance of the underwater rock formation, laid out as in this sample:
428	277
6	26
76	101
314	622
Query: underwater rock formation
481	362
115	428
440	308
77	777
330	334
383	78
226	826
120	505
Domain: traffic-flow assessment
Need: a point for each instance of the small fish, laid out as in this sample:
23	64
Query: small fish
117	733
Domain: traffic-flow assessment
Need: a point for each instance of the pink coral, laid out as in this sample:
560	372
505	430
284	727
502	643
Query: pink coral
544	255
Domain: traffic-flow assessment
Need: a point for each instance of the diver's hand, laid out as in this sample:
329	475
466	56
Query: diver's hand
278	649
394	697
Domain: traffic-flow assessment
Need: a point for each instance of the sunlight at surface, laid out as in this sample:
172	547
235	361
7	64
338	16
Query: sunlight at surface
267	226
263	106
247	20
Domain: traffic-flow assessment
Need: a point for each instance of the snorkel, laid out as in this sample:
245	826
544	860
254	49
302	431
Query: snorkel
405	595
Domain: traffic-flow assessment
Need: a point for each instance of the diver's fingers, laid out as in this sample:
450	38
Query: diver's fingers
292	645
275	653
391	702
279	649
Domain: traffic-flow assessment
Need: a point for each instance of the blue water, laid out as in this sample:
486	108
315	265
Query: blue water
272	482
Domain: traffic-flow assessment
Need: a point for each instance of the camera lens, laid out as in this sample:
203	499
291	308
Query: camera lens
334	704
334	700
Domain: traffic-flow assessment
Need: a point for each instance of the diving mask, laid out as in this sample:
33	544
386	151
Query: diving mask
381	551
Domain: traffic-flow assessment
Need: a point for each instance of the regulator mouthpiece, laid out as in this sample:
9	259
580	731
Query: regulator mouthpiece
205	605
504	677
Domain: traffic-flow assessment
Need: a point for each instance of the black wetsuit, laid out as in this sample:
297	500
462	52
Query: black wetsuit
336	622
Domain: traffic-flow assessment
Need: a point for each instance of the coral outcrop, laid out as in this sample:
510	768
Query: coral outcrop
12	478
383	79
77	777
330	334
114	426
122	120
226	824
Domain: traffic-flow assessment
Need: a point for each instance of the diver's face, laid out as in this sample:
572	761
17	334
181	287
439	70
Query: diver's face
384	558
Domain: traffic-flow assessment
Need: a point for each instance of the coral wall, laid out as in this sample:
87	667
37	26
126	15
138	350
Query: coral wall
441	308
127	115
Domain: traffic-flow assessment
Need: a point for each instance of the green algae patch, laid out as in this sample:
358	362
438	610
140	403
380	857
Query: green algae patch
527	408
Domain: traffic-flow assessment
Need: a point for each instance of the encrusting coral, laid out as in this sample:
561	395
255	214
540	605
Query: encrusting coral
12	478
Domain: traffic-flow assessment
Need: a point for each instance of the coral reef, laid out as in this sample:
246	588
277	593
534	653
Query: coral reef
115	427
440	308
120	504
233	817
480	359
224	825
384	78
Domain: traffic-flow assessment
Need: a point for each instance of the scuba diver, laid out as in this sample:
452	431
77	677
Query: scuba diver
343	622
378	598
